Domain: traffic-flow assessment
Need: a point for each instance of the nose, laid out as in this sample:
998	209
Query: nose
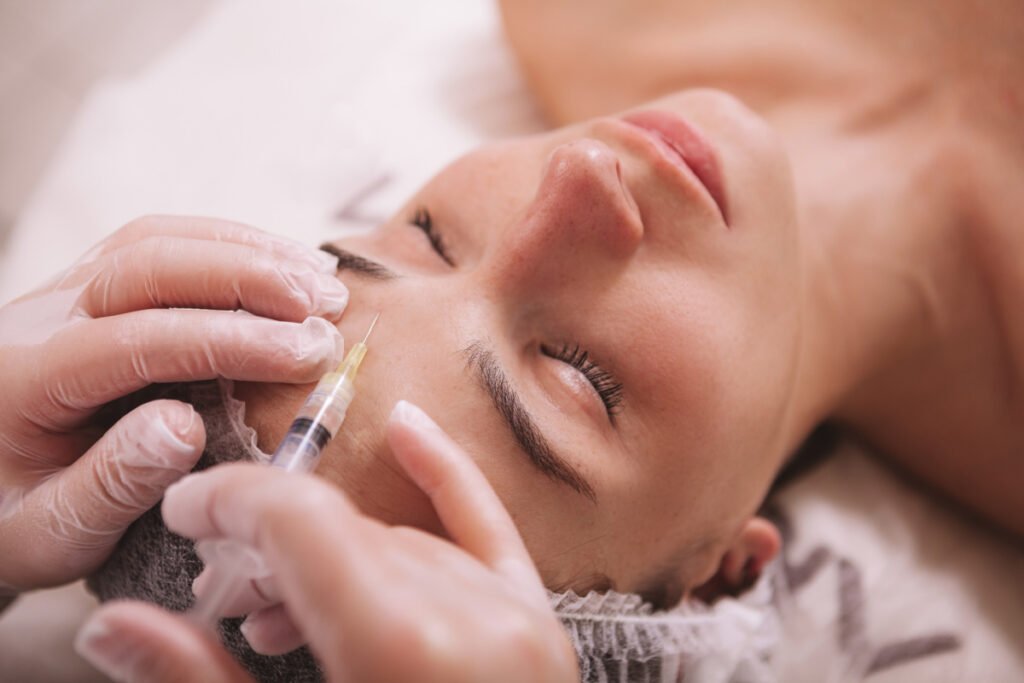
581	222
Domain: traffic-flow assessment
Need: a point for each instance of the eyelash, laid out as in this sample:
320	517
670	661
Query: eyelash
425	222
603	382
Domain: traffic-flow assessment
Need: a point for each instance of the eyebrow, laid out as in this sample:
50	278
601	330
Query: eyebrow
524	428
359	264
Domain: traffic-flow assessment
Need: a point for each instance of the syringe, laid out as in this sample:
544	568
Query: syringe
229	564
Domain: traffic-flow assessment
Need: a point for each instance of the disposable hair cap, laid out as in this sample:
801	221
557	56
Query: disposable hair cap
621	639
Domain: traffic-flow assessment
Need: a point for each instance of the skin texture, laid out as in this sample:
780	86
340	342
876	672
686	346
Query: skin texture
586	236
447	633
884	292
908	157
878	293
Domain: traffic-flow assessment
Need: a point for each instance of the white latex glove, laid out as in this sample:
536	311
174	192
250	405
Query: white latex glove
375	602
155	302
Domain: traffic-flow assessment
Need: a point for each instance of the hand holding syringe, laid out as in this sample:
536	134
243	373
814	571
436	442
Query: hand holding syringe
231	565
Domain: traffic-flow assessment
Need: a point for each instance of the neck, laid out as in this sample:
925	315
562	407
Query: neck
877	127
881	251
883	152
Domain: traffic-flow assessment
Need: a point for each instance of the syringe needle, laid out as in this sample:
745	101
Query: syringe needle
372	325
318	420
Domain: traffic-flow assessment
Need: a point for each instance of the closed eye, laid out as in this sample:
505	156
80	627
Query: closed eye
425	222
604	383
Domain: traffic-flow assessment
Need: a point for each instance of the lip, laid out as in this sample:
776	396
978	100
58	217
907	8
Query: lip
687	148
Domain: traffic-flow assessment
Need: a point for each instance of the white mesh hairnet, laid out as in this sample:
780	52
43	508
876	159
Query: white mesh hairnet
621	639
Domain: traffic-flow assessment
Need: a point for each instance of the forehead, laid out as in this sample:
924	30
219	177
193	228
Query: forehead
708	338
715	343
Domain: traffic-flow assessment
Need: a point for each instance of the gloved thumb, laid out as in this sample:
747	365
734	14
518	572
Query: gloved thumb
126	472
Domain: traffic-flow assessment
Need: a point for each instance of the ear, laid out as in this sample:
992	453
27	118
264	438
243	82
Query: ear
755	545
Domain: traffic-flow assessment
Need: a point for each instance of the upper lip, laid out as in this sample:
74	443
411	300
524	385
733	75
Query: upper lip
666	139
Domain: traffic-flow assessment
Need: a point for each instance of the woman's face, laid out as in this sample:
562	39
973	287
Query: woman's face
610	331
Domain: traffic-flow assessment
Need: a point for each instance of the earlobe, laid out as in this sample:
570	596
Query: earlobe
755	545
760	541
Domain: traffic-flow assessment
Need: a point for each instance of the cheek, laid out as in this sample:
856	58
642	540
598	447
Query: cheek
768	344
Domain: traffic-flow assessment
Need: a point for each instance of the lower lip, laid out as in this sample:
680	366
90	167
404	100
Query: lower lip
688	146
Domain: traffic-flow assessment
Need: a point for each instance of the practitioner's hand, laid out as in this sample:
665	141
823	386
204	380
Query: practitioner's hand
113	323
374	602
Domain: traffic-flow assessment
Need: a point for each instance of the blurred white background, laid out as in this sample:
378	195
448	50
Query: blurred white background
51	53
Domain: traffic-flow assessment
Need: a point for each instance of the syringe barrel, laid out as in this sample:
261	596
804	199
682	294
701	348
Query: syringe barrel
315	424
297	453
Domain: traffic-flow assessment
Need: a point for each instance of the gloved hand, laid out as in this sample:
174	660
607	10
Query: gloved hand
127	315
374	602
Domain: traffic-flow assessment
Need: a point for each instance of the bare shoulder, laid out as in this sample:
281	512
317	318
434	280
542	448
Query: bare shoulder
585	59
581	58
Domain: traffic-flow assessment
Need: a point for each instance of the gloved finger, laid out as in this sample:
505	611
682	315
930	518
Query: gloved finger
133	641
466	504
219	230
303	527
257	594
166	272
103	359
272	632
88	506
126	472
252	504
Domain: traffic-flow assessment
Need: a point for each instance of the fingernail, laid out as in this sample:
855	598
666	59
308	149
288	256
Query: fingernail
317	259
160	434
413	416
323	294
269	634
333	297
184	428
158	439
420	469
326	263
302	280
252	622
251	631
175	430
322	341
97	644
199	583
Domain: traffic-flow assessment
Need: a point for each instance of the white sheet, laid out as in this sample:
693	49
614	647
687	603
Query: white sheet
276	115
285	114
890	584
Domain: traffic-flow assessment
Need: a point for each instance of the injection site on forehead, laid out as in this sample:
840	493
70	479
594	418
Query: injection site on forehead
492	377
